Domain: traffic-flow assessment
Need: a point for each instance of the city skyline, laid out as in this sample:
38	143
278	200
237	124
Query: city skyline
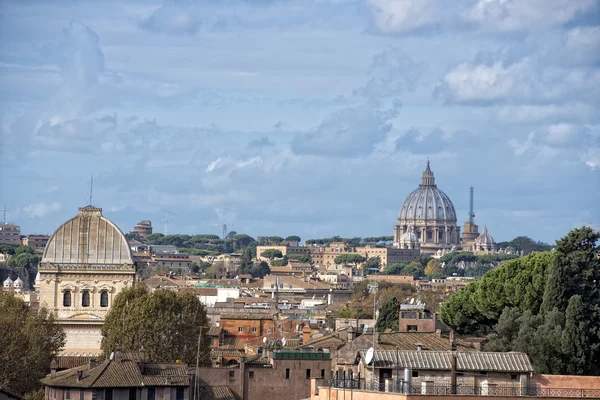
310	118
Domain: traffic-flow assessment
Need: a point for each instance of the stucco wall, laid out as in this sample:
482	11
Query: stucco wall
566	382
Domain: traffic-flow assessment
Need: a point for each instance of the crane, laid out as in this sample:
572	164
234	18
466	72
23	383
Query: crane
166	219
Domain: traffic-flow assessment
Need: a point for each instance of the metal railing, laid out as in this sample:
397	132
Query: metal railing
398	386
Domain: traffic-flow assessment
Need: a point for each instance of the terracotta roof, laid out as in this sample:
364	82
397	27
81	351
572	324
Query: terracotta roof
258	362
124	373
409	340
227	352
66	362
441	360
215	393
214	331
162	281
205	291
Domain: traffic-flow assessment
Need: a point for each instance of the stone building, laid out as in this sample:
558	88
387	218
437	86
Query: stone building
427	219
484	244
36	242
10	234
143	228
86	263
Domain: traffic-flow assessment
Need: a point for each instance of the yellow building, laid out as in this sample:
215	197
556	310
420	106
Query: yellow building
86	263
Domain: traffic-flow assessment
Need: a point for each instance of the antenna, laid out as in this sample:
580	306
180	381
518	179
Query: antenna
224	231
91	188
4	210
166	220
471	213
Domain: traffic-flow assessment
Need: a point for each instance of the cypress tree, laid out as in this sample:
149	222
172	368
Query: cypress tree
389	317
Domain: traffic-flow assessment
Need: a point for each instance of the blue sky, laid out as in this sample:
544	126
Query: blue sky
311	117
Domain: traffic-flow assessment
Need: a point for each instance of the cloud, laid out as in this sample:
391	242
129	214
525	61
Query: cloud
392	72
467	83
173	18
565	135
534	113
42	209
403	16
260	143
414	141
521	147
524	15
349	132
85	57
582	45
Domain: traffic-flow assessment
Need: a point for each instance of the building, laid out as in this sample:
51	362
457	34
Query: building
123	376
427	219
470	229
86	263
416	318
274	374
484	244
36	242
143	228
10	234
427	371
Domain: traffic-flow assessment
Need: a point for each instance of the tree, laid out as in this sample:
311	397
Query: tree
280	262
231	235
389	315
349	258
8	249
260	269
293	238
133	236
24	250
300	257
165	323
433	268
393	269
30	340
271	254
373	264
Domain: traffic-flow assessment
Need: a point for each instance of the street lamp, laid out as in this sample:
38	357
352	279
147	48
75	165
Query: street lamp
373	288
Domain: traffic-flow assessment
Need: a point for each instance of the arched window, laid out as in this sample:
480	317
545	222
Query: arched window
85	298
104	298
67	298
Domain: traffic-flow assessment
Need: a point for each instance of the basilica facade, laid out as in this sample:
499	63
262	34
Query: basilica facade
427	219
86	263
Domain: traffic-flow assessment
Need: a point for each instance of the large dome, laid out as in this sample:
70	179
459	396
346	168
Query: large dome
88	238
427	202
428	214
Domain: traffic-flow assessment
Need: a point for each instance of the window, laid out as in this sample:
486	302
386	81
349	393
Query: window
412	328
240	329
251	374
322	373
253	329
85	298
429	235
132	394
179	393
108	394
513	377
307	373
151	393
67	394
287	373
104	298
409	315
231	374
415	374
67	298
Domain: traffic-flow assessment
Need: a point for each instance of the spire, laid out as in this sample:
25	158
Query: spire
471	212
427	179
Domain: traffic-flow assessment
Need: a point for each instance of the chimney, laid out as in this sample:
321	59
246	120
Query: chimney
305	334
142	355
93	363
79	375
377	337
53	366
118	355
419	347
452	340
351	334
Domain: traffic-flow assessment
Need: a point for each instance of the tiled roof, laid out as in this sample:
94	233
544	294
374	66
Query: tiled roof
215	393
258	362
206	291
441	360
66	362
227	352
214	331
124	373
409	341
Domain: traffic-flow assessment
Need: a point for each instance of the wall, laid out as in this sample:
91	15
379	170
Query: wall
220	377
566	382
164	393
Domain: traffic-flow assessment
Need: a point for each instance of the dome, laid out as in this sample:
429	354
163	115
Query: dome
18	282
485	238
409	237
8	282
427	202
88	238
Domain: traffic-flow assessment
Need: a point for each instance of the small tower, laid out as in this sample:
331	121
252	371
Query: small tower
18	285
8	284
470	230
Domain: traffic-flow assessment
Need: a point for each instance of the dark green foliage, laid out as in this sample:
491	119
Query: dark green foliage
300	257
293	238
280	262
271	254
525	244
8	248
389	315
165	323
29	341
373	264
133	236
348	259
403	269
203	242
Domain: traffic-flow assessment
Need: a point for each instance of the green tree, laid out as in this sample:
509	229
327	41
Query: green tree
165	323
373	264
29	341
393	269
24	250
349	258
280	262
300	257
293	238
8	248
412	270
433	268
389	315
260	269
575	340
271	254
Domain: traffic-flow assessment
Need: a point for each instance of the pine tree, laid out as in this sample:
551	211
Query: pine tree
575	340
389	315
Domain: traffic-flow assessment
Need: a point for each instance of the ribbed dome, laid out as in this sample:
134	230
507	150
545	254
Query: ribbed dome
409	237
18	282
427	202
8	282
88	238
485	237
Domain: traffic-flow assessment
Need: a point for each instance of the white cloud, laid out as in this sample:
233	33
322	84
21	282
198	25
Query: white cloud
517	15
42	209
534	113
592	158
582	45
403	16
521	148
563	134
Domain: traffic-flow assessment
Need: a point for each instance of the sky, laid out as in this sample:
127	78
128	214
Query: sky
311	117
